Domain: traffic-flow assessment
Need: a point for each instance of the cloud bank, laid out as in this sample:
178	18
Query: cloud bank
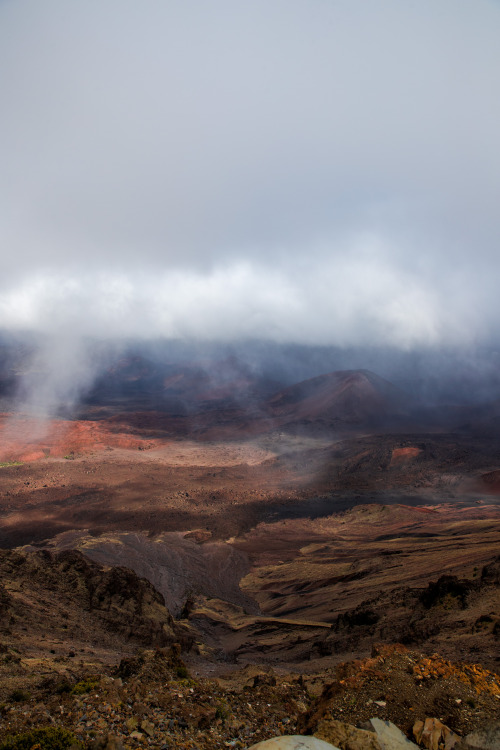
322	172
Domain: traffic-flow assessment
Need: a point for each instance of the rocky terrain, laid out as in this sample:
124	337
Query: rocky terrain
153	700
208	572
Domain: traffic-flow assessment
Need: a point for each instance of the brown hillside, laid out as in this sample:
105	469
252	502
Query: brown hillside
351	396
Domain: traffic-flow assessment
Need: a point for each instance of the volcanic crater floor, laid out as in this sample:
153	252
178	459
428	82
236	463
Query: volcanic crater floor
284	553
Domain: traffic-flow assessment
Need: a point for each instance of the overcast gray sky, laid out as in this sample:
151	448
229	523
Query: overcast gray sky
302	170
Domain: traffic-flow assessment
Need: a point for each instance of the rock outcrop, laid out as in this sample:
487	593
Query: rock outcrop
50	593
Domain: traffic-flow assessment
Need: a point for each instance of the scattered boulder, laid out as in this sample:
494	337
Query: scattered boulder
107	742
448	592
383	736
390	737
487	738
434	735
345	736
293	742
490	574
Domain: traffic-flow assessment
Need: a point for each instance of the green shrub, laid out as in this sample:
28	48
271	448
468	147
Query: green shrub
85	686
181	672
222	711
47	738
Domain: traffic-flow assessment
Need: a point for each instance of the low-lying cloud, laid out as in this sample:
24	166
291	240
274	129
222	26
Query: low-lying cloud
356	300
319	172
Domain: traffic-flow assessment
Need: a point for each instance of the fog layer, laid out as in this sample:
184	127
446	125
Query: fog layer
317	172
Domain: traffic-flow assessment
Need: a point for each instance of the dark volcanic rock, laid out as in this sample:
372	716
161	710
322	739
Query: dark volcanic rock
446	588
491	573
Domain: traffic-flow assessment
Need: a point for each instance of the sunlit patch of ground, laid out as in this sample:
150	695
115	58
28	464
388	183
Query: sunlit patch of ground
407	453
26	439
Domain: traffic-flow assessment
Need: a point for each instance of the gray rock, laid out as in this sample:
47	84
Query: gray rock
293	742
390	737
487	738
345	736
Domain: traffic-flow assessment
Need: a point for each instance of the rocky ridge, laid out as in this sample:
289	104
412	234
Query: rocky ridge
64	603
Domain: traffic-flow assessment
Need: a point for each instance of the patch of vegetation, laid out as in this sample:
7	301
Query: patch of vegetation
181	672
5	464
47	738
222	711
85	686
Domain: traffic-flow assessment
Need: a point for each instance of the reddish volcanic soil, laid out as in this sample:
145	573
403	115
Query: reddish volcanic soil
196	517
91	475
103	475
490	483
29	439
404	455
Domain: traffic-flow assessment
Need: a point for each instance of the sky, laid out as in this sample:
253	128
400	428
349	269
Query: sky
310	171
